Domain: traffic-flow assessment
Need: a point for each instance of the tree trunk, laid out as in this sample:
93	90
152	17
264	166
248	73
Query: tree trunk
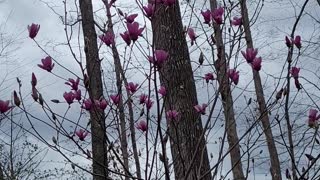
274	159
95	89
1	173
227	102
177	76
122	117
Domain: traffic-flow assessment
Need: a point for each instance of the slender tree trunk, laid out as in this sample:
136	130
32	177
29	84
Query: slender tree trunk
274	159
177	76
227	102
118	70
120	73
122	117
95	89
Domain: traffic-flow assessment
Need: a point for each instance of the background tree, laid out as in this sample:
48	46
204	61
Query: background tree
188	144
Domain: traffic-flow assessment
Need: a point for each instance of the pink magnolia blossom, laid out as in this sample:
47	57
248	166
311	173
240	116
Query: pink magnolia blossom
256	64
234	76
208	77
297	84
162	91
132	87
207	16
33	30
115	98
297	41
77	94
126	37
142	98
288	42
33	80
4	106
69	97
87	104
73	83
149	10
34	94
130	18
16	99
160	57
236	21
149	103
172	115
134	30
201	109
102	104
107	38
295	72
313	118
86	80
217	15
192	35
46	64
82	134
250	54
142	125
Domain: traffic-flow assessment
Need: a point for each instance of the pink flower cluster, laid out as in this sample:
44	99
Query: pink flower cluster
192	35
208	77
215	15
4	106
107	38
133	31
75	92
82	134
46	64
149	10
313	118
296	41
160	57
233	76
295	74
250	56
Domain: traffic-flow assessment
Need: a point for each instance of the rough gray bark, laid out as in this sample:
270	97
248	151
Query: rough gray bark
227	102
95	89
274	159
177	76
1	173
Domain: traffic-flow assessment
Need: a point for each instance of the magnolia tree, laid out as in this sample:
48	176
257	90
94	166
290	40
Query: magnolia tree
135	93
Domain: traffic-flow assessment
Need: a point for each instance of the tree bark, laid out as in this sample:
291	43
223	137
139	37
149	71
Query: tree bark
1	173
177	76
227	102
274	159
122	117
95	90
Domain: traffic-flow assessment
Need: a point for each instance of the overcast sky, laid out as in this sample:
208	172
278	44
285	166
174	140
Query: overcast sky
275	22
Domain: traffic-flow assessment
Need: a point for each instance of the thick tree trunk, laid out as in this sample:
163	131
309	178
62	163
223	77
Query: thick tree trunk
227	102
177	76
274	160
1	173
95	89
